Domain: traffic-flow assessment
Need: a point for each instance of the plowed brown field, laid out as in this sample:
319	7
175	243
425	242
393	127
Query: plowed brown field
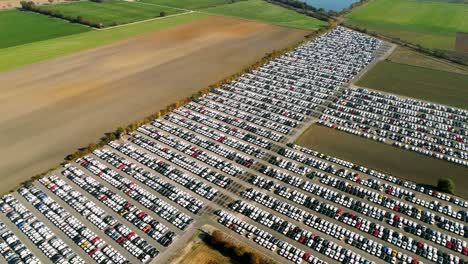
50	109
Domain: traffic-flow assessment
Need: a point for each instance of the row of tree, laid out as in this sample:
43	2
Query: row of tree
31	6
236	252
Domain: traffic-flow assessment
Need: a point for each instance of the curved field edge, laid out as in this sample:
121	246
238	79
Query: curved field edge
266	12
21	55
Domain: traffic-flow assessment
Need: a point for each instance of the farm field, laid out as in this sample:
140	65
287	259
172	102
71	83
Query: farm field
111	13
413	58
14	24
398	162
266	12
94	92
189	4
417	21
422	83
14	57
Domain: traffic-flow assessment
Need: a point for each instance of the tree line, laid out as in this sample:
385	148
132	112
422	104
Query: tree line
31	6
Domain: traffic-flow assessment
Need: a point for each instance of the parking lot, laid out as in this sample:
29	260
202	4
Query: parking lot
226	160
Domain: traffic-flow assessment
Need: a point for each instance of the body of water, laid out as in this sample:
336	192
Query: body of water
334	5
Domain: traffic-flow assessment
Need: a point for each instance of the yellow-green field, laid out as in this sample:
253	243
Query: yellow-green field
111	13
432	24
263	11
21	27
428	84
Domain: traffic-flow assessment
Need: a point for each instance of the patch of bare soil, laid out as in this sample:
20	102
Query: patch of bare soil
50	109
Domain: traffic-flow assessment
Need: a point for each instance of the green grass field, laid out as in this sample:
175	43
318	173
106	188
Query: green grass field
189	4
433	85
18	27
431	24
378	156
112	12
266	12
17	56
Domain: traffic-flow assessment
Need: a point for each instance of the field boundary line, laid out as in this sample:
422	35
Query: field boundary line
144	3
143	21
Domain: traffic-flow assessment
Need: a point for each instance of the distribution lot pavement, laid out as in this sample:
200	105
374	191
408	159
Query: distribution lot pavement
66	103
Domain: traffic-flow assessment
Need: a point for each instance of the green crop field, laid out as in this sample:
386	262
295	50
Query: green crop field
266	12
428	84
382	157
17	56
432	24
112	12
189	4
20	27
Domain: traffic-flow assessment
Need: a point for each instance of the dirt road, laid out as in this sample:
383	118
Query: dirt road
49	109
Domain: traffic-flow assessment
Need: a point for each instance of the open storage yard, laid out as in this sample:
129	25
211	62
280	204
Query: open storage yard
417	21
224	160
14	24
87	94
428	84
113	12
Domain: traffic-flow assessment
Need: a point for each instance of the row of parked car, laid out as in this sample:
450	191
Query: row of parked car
205	123
297	233
265	239
375	191
161	186
134	244
426	128
182	161
38	233
196	150
380	230
164	168
201	142
452	242
406	187
128	210
13	250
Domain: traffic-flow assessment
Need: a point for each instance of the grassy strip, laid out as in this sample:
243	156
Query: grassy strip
109	13
263	11
17	56
15	23
427	84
